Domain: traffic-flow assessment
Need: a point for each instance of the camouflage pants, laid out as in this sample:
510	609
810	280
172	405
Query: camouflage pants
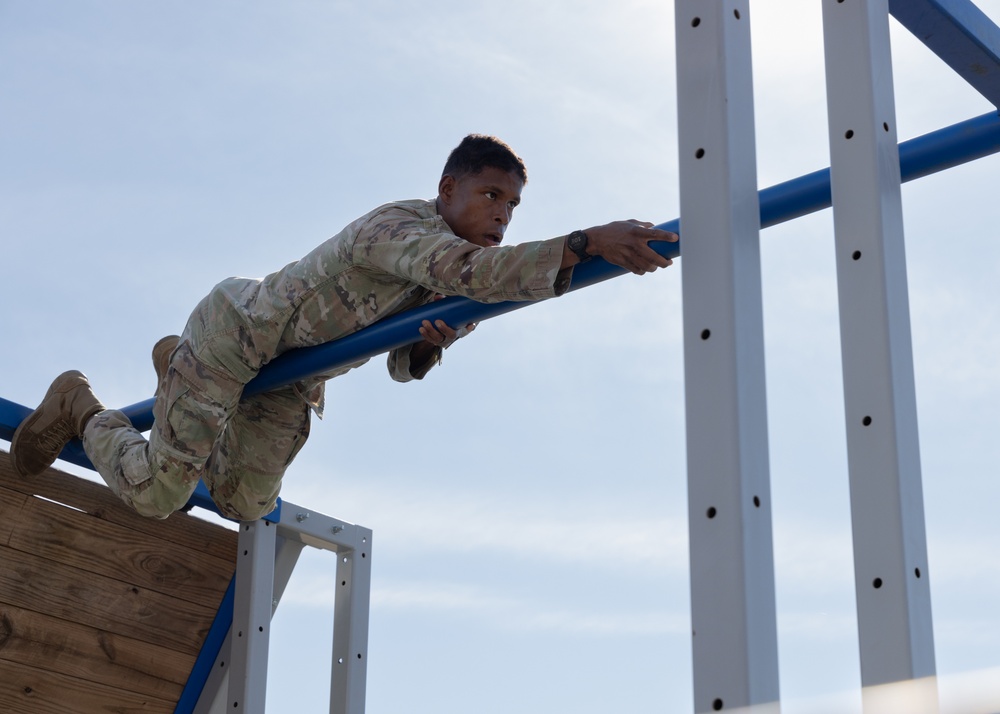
204	429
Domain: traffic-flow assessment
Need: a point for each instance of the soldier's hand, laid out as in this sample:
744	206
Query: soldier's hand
441	335
625	244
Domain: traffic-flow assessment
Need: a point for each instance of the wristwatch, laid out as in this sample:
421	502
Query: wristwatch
577	242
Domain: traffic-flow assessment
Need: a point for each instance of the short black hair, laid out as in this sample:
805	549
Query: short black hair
479	151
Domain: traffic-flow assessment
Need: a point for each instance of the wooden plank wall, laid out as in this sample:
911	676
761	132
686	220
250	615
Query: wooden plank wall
101	610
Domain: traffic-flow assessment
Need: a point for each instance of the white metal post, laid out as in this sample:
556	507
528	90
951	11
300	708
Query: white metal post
350	626
250	635
734	635
890	551
213	696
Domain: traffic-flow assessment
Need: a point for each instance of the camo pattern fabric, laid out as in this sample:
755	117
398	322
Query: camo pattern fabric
397	257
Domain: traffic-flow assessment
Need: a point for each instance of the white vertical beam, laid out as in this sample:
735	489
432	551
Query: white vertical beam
732	566
251	629
890	551
214	694
350	625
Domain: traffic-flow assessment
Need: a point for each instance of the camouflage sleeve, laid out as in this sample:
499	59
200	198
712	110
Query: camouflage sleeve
399	364
425	252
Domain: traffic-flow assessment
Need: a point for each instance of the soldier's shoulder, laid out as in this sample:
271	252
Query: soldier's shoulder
420	209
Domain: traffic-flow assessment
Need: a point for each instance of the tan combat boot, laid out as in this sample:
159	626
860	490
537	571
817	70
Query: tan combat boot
161	358
60	417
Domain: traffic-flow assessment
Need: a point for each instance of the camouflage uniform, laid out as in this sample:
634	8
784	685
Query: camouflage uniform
395	258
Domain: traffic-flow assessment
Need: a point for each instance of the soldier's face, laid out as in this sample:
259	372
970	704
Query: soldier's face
479	207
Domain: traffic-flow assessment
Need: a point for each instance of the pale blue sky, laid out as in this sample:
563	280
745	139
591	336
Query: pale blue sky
528	499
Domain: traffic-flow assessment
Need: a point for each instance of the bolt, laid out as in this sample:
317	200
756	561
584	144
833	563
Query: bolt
337	529
301	517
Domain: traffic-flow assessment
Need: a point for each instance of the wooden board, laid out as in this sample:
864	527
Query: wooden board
78	539
43	642
98	500
101	610
38	691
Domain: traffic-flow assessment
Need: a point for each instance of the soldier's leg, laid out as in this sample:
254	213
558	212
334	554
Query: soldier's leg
191	411
266	432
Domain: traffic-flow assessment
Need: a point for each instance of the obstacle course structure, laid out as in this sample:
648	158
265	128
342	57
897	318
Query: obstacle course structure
735	658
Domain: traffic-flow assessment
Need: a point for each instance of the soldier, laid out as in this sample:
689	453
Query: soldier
397	257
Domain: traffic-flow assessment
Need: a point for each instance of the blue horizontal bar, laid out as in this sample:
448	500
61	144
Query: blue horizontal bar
924	155
960	34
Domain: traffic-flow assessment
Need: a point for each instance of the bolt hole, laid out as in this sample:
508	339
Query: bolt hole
717	705
343	582
695	22
260	629
699	153
916	571
885	125
877	583
856	255
711	512
359	655
867	421
705	334
363	555
736	13
756	501
849	134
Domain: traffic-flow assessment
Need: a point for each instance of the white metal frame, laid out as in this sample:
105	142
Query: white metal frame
887	514
267	556
734	629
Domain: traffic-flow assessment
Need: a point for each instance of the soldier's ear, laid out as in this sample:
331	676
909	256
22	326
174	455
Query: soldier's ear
446	188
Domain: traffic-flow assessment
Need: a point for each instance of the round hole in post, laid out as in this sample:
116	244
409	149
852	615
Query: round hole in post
885	125
695	22
699	153
711	512
717	705
877	583
916	571
856	255
849	134
705	334
756	501
736	14
867	421
359	655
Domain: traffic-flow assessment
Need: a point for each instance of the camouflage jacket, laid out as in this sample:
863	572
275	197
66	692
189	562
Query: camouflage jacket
392	259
